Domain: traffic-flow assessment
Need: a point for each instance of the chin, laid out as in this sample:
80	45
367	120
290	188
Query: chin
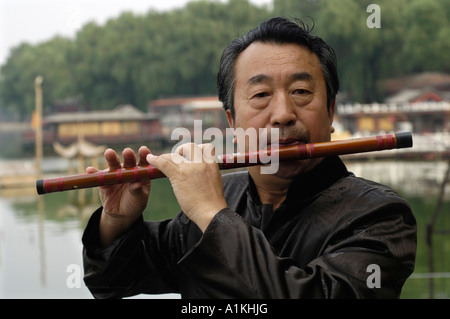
292	169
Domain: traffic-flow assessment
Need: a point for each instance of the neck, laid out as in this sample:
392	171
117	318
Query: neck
271	189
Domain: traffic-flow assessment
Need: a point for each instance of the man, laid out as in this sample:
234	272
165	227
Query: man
311	230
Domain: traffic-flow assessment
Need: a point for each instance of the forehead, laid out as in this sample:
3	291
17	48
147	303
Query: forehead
276	60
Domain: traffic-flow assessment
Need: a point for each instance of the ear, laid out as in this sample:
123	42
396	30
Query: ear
230	118
331	111
231	123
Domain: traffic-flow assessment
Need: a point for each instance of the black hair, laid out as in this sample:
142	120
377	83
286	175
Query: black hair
277	31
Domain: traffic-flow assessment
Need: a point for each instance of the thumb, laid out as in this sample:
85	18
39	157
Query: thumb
165	163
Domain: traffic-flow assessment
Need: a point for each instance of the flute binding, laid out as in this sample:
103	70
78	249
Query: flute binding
228	161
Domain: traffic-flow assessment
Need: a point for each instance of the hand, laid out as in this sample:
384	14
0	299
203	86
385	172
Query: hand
195	179
122	204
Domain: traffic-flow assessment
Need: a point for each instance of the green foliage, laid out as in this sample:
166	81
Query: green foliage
427	39
137	58
26	62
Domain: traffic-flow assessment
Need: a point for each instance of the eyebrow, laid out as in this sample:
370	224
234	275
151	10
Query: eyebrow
257	79
302	76
299	76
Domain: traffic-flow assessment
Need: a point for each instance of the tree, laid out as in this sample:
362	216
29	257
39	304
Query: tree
137	58
427	36
25	63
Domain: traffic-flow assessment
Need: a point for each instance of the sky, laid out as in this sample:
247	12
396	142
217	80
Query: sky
35	21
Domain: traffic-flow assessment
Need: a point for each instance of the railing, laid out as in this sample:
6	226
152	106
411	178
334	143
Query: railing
376	108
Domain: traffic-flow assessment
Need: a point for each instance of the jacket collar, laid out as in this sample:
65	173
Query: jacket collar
311	183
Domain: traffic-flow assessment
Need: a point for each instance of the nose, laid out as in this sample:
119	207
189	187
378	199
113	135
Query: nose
283	111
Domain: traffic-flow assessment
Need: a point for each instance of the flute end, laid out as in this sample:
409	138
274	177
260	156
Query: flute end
404	139
40	186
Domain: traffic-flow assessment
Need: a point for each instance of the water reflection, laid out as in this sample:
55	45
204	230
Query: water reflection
414	178
40	236
35	251
40	241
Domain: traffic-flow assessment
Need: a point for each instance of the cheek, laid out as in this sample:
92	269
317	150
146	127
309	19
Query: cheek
247	117
319	128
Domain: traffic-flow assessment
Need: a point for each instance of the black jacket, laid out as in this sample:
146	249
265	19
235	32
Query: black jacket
335	236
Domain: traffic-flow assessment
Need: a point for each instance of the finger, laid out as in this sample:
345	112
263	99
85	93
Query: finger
129	158
112	159
143	152
192	152
91	170
209	152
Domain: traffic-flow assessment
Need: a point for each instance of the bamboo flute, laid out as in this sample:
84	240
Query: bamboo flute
229	161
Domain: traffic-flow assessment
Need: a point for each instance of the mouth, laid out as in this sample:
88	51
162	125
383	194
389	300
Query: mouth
285	143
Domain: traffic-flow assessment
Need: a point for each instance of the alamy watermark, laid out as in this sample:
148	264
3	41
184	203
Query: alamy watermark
374	19
374	279
75	275
249	141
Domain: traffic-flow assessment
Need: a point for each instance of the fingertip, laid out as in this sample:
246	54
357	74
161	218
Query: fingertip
127	152
143	152
110	154
108	151
91	170
144	148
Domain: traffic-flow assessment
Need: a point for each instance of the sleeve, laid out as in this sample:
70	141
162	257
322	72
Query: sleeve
235	260
140	261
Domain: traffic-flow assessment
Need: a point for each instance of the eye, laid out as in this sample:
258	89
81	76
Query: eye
261	95
301	92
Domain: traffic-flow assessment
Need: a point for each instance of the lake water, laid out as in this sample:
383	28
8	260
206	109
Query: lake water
40	236
40	241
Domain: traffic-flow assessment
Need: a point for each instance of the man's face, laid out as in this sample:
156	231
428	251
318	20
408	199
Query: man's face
282	86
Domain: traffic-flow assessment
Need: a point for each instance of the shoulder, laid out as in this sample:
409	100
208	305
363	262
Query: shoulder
369	189
354	187
361	196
